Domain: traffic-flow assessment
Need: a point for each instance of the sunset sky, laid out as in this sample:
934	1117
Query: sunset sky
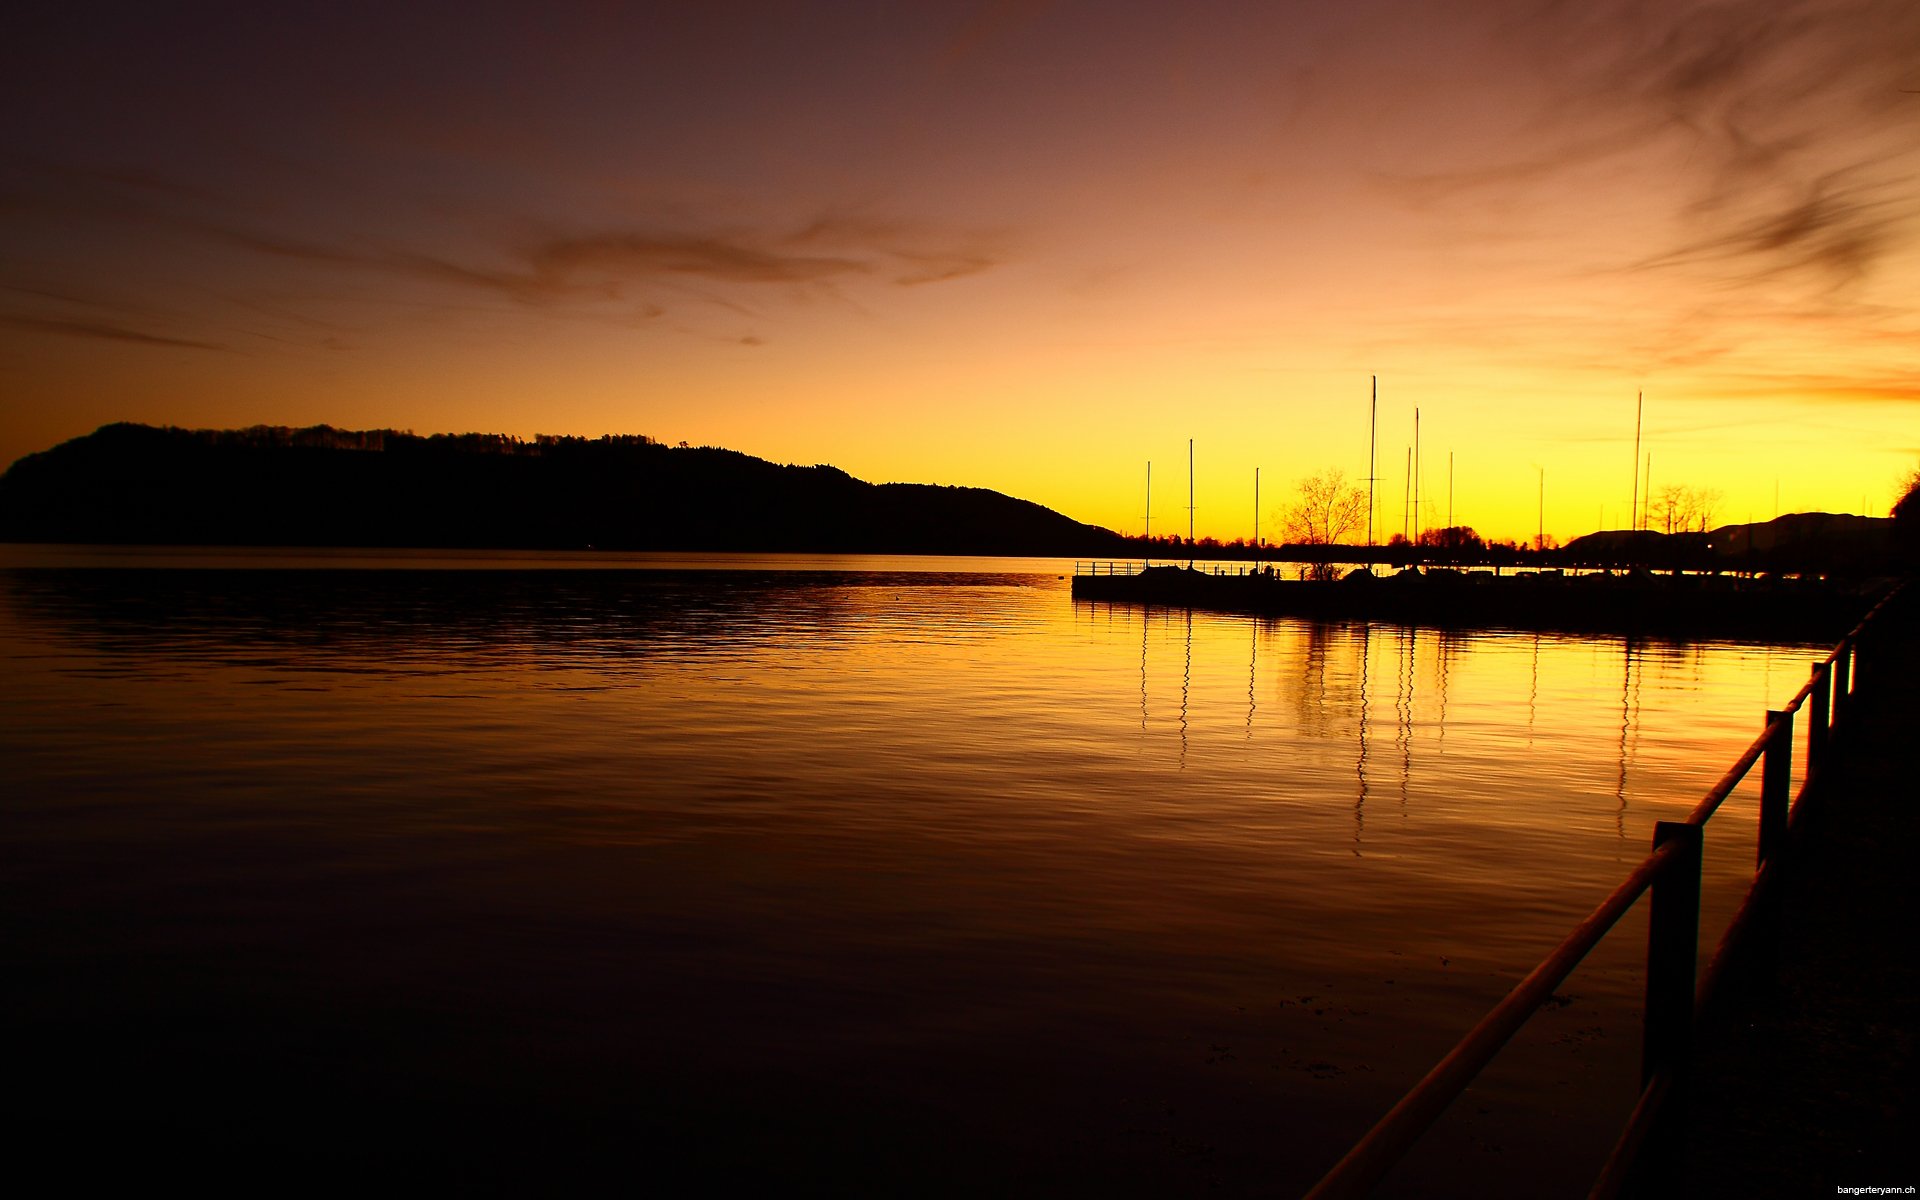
1023	246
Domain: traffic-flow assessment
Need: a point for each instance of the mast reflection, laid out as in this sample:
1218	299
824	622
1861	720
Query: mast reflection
1407	644
1626	725
1253	656
1360	761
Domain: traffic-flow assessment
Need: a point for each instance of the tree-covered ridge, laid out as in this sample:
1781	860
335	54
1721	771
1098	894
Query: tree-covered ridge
327	437
270	485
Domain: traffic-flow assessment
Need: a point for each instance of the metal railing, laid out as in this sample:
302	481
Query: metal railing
1671	872
1124	567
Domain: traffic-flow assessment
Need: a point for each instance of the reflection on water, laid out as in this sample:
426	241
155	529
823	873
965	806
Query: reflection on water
896	878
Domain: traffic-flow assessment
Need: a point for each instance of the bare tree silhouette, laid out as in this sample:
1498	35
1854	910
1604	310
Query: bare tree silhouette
1325	510
1682	509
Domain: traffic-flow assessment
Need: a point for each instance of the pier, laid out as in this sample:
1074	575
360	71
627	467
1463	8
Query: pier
1679	604
1787	1063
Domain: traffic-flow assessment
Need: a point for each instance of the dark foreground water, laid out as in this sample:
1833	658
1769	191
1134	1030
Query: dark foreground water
865	877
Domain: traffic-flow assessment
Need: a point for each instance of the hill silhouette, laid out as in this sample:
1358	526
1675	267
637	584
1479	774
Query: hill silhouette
1818	541
127	483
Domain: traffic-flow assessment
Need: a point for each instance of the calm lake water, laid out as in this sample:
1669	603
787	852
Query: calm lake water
838	875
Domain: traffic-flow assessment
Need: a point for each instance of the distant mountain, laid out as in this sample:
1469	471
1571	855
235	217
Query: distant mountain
1812	538
1795	542
332	487
1627	546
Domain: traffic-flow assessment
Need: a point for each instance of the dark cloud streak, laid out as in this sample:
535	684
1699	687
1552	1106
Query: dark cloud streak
1786	113
1835	230
1785	101
630	275
101	330
718	258
603	266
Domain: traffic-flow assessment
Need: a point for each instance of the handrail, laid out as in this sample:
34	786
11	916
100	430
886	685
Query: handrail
1375	1154
1738	771
1671	871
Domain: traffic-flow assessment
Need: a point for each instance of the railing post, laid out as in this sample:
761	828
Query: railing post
1842	695
1817	721
1673	941
1775	771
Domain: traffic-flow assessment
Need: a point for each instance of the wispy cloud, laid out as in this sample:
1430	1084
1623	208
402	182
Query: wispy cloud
631	275
82	313
100	330
1849	388
1790	122
917	268
1795	116
600	262
1836	230
610	265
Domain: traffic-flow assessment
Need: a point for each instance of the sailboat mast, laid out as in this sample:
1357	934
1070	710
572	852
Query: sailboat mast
1633	497
1373	421
1147	558
1406	498
1189	504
